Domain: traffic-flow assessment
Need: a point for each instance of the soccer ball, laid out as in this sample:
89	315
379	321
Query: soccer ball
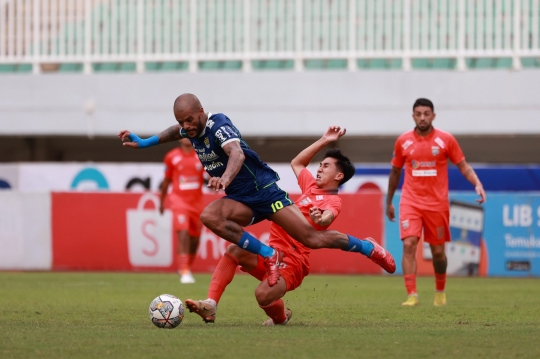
166	311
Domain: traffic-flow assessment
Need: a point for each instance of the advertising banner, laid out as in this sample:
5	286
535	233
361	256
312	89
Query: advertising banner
502	238
124	231
25	231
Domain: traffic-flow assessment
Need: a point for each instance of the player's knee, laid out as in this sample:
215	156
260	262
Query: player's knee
438	254
209	219
312	240
264	296
409	247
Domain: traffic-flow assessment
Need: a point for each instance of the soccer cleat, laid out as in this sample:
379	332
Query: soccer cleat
411	301
440	299
269	322
382	257
204	308
272	266
187	278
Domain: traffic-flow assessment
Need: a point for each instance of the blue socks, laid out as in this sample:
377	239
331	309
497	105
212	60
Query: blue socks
253	245
359	245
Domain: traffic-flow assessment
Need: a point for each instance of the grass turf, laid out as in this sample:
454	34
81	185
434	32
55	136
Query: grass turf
105	315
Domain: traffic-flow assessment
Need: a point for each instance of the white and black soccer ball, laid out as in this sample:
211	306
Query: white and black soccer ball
166	311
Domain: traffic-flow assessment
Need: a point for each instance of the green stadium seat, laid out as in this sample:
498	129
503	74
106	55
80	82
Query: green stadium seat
333	64
433	64
15	68
503	63
127	67
530	62
272	64
220	65
70	68
379	64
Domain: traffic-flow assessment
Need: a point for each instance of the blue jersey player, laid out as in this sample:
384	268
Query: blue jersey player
250	187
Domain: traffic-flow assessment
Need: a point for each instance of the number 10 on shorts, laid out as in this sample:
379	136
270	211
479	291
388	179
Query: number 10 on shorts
276	206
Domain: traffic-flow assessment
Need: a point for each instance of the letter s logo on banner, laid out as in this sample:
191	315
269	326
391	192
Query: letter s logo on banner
149	234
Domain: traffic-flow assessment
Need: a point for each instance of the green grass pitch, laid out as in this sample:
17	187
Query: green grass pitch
105	315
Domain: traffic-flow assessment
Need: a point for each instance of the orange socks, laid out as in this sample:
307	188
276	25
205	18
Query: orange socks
223	275
276	311
183	262
410	283
440	282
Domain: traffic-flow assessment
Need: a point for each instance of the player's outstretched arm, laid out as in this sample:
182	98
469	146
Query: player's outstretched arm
303	159
471	176
393	182
236	160
132	140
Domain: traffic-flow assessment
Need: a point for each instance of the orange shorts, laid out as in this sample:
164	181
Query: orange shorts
435	224
291	270
187	220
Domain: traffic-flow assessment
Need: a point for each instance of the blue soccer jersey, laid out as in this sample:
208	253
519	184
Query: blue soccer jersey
254	174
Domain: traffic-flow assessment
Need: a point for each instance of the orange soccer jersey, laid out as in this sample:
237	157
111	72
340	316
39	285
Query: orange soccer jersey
312	196
426	168
187	178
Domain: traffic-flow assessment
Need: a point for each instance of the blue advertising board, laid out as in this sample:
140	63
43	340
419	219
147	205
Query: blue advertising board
511	234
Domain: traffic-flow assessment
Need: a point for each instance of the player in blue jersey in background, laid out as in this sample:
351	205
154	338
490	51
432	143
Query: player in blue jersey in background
250	186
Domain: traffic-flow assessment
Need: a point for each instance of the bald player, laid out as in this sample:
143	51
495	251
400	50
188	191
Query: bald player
252	193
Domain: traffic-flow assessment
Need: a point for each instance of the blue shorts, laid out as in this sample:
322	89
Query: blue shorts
265	202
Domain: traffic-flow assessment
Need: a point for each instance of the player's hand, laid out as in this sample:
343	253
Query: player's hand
334	133
480	191
390	212
315	214
217	183
127	139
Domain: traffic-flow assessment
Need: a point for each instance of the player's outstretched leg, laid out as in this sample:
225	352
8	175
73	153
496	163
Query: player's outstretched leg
206	309
271	321
381	256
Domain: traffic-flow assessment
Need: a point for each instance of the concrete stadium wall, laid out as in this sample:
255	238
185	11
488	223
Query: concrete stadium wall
272	103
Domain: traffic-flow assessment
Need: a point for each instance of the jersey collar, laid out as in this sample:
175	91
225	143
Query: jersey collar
428	137
209	114
324	191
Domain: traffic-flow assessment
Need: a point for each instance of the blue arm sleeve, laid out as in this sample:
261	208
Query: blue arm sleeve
144	142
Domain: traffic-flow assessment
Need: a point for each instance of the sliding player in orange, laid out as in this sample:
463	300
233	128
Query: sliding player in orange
424	205
319	204
185	173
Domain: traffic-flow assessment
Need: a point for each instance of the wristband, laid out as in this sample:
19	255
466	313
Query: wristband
146	142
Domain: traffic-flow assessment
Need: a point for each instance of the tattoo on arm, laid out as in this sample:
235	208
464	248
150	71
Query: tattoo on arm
170	134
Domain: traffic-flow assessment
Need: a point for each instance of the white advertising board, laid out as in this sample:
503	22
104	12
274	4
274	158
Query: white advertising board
25	231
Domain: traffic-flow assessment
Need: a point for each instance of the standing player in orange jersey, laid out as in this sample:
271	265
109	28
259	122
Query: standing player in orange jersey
424	152
186	174
319	204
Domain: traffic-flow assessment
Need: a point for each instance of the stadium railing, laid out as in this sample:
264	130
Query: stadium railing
246	35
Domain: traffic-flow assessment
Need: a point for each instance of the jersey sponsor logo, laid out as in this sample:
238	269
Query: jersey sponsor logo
319	197
213	166
434	150
439	142
220	136
424	173
406	144
207	142
207	157
209	123
405	224
418	164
